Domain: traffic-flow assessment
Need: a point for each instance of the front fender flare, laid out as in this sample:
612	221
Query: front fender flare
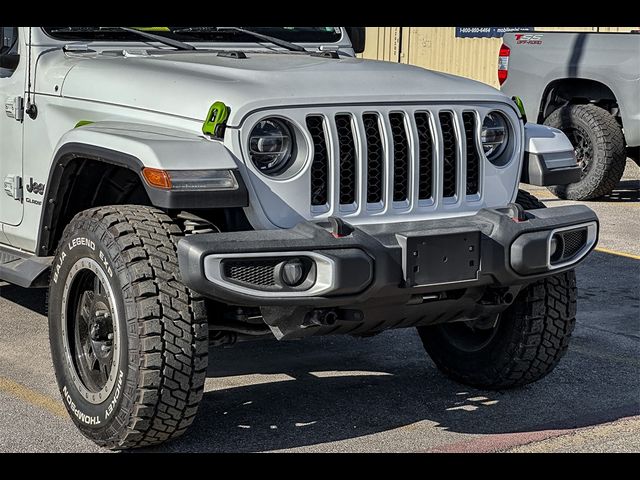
136	146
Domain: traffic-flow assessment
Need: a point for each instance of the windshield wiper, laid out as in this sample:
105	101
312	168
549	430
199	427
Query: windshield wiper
150	36
159	38
276	41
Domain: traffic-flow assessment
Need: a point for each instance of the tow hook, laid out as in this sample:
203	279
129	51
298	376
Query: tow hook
518	213
497	296
329	317
340	228
320	318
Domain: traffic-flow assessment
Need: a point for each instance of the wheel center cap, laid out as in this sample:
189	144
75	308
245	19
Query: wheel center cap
101	329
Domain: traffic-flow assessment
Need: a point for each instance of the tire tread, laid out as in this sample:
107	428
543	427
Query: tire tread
609	149
171	324
544	318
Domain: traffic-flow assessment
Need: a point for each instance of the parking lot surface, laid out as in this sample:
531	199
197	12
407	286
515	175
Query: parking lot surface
381	394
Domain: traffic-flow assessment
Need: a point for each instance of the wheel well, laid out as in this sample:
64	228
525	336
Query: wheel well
81	183
85	183
570	91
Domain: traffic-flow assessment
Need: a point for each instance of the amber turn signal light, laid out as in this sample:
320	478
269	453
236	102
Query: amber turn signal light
157	178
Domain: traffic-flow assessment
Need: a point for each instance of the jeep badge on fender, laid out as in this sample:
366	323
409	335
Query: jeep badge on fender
289	190
34	187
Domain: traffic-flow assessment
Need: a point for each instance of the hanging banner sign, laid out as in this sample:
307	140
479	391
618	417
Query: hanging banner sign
488	32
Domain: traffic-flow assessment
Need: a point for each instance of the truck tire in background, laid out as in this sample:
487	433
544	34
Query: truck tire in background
526	342
128	339
600	150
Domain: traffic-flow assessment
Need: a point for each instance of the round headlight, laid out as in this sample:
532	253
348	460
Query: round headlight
271	145
494	135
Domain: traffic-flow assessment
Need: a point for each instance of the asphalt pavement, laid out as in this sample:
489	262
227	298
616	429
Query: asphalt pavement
381	394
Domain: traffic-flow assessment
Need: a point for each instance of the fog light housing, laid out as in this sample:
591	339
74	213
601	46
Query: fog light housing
292	272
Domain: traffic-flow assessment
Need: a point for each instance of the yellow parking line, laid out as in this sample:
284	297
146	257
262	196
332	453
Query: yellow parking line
32	397
616	252
622	204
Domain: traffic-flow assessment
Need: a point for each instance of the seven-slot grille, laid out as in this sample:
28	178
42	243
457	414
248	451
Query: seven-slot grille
389	143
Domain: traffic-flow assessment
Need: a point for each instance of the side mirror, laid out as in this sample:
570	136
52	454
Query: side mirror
358	37
9	60
6	39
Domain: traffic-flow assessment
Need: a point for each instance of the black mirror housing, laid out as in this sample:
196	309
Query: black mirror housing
357	35
9	60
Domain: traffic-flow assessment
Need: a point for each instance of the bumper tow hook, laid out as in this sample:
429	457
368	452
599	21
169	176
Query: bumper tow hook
320	318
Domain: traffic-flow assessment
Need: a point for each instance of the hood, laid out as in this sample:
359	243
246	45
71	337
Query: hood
186	84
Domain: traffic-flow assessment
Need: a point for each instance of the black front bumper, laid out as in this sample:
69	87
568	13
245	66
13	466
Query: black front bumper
393	263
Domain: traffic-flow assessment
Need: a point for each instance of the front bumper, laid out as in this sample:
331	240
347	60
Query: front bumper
393	263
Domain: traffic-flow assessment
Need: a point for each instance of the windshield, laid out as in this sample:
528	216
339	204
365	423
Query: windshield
197	34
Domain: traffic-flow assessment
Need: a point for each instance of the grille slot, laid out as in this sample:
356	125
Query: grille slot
450	154
375	158
251	272
400	157
425	144
573	241
347	159
473	156
320	163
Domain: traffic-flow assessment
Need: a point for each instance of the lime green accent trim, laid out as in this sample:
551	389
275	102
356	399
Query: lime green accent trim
82	123
520	105
153	29
216	118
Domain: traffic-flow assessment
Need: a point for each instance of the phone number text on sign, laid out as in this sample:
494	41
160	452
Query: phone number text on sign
488	32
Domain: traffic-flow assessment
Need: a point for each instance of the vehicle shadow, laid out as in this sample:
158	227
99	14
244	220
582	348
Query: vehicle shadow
32	299
302	408
625	191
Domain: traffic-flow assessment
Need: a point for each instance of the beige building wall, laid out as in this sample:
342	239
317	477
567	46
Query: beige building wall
437	48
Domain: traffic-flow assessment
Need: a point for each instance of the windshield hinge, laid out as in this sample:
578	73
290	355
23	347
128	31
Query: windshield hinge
76	48
326	54
13	186
14	108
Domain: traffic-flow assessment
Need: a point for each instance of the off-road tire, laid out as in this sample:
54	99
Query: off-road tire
531	336
609	152
162	327
528	201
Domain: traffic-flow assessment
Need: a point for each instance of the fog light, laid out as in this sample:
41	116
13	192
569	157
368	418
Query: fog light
292	272
555	248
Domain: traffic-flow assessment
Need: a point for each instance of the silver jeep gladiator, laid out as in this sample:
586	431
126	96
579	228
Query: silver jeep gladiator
181	187
588	86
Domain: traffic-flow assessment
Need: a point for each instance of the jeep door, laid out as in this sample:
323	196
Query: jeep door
12	87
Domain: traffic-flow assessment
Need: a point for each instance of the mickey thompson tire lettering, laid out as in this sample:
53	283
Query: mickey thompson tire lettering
163	328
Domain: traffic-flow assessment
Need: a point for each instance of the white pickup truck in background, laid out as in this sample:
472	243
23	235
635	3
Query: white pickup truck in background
588	86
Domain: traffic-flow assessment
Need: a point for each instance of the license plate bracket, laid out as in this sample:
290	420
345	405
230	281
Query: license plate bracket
440	259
